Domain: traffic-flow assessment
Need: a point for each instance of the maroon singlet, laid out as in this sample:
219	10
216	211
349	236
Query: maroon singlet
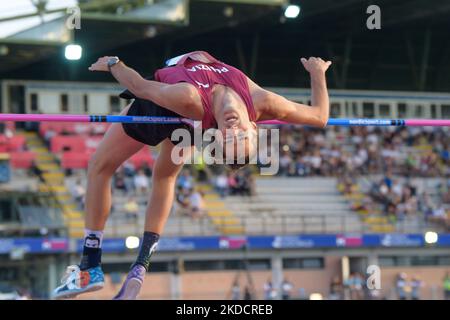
204	71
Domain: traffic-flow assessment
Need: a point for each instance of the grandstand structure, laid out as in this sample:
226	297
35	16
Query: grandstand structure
308	229
291	212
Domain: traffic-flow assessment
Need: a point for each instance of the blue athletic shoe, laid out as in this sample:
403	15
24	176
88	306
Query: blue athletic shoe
76	281
132	285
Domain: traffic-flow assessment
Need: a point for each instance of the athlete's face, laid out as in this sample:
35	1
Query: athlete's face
238	132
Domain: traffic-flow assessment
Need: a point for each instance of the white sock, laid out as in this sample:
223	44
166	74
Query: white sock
93	238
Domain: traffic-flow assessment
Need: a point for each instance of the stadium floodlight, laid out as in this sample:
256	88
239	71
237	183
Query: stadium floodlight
315	296
4	50
292	11
132	242
431	237
73	52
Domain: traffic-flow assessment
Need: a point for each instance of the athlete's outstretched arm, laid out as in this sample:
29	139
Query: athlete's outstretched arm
280	108
180	97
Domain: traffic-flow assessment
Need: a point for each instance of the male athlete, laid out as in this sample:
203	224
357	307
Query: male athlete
195	86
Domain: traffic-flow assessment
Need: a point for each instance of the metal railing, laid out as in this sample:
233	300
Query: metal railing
8	230
119	226
266	225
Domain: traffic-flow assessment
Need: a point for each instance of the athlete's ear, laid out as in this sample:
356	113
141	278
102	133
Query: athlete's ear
253	124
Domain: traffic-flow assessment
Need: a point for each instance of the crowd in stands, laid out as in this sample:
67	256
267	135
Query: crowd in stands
231	183
13	147
398	199
271	292
189	198
411	152
130	180
354	287
344	152
127	181
351	152
408	288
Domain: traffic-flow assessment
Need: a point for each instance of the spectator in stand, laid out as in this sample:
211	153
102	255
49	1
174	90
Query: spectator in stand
286	289
397	188
439	213
416	284
232	183
129	171
34	170
79	192
119	182
182	199
285	161
235	291
268	290
48	135
240	183
141	183
336	289
354	284
446	197
401	286
197	204
446	285
147	169
222	184
316	162
185	180
247	293
300	167
131	209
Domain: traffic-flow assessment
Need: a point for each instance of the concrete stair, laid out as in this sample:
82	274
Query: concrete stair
294	205
221	217
53	175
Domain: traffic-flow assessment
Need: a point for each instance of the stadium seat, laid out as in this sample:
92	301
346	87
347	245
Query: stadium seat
22	160
16	143
74	160
73	143
142	157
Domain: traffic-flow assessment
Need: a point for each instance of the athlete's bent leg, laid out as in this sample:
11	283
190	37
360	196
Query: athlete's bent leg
115	148
158	210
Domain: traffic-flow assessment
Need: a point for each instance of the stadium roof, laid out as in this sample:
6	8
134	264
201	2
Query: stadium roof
410	52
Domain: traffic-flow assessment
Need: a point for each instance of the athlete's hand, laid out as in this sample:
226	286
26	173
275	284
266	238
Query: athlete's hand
315	65
100	65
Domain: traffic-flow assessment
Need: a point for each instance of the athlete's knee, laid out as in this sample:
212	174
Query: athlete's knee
100	165
169	174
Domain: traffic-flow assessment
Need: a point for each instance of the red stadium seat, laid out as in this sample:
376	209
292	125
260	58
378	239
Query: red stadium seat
74	128
92	142
74	160
11	125
16	143
143	156
58	127
3	143
74	143
22	160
